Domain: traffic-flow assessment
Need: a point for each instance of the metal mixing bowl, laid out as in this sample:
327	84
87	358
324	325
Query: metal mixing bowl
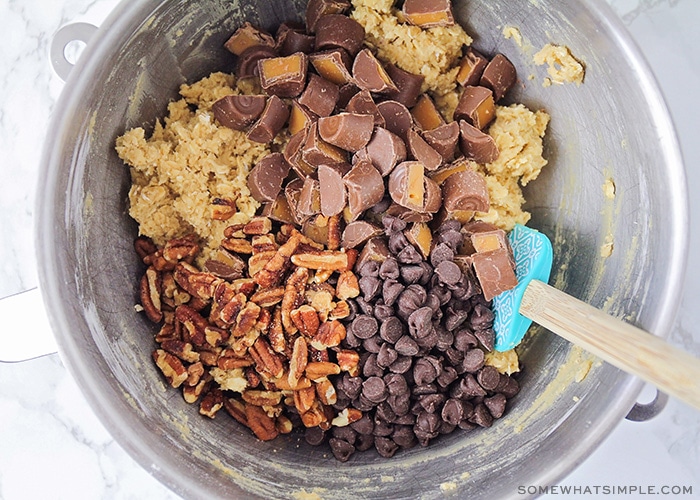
613	126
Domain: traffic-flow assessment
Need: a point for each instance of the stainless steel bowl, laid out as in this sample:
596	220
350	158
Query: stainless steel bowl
613	126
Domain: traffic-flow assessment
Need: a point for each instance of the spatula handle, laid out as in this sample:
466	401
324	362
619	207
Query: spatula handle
633	350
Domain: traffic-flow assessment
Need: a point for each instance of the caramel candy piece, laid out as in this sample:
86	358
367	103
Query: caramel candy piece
279	210
291	40
320	96
292	192
422	151
349	131
466	191
333	65
408	215
406	186
397	117
336	31
421	237
247	64
426	114
248	36
499	76
238	111
471	67
385	150
408	84
375	250
266	177
283	76
333	194
299	118
362	103
365	188
345	94
428	13
271	121
487	241
317	8
317	152
432	199
293	153
369	74
441	174
358	232
316	229
443	139
476	106
309	198
494	271
476	145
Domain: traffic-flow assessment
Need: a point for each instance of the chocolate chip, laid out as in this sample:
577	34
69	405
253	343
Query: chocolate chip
453	411
345	433
370	287
386	356
393	224
397	242
369	268
470	387
448	272
446	377
371	368
403	436
401	365
373	344
382	428
383	312
315	436
352	386
401	405
481	417
391	291
455	358
406	346
465	340
496	405
420	322
486	337
488	377
392	329
365	425
411	274
364	442
441	252
409	255
396	384
389	269
342	450
374	389
413	297
432	402
453	238
482	317
364	326
473	360
427	422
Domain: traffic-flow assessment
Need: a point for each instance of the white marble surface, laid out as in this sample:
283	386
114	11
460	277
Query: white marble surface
52	445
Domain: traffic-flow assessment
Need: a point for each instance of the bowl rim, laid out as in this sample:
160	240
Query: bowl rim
118	417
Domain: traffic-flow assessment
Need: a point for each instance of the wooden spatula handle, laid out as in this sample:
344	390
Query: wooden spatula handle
635	351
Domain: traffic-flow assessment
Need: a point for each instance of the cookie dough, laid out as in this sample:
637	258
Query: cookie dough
562	66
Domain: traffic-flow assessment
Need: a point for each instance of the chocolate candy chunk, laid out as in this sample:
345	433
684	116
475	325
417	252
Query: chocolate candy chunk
466	191
248	36
374	250
332	189
336	31
358	232
292	192
293	153
476	145
365	188
315	9
495	273
408	85
349	131
333	65
471	67
432	198
320	96
290	41
428	13
499	76
247	64
309	198
397	117
317	152
226	265
423	152
271	121
426	113
443	139
266	177
300	117
369	74
406	185
345	94
238	111
362	103
283	76
385	150
476	106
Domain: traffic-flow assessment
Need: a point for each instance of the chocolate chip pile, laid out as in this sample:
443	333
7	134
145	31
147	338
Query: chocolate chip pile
422	326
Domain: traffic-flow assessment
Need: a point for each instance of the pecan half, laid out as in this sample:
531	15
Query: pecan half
150	292
349	361
237	245
172	368
273	271
319	370
258	261
330	334
304	399
335	232
258	225
294	296
236	409
268	297
194	325
298	361
179	249
326	392
194	282
275	333
246	319
144	247
182	350
328	260
223	208
211	402
262	425
266	360
348	286
305	319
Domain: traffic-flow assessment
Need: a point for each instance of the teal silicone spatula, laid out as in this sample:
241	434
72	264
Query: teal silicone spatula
631	349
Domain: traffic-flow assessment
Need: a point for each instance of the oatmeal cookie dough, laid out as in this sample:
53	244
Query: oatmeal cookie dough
518	133
562	66
186	164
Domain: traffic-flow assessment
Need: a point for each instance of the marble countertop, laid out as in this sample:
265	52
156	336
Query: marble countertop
53	446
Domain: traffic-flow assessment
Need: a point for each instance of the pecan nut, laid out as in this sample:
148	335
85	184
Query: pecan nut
262	425
298	361
305	319
171	366
330	334
150	293
319	370
327	260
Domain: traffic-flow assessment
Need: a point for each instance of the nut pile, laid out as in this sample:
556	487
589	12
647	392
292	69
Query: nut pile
258	332
422	327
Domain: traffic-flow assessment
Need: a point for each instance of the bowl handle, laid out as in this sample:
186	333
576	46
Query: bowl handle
74	32
27	334
641	412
